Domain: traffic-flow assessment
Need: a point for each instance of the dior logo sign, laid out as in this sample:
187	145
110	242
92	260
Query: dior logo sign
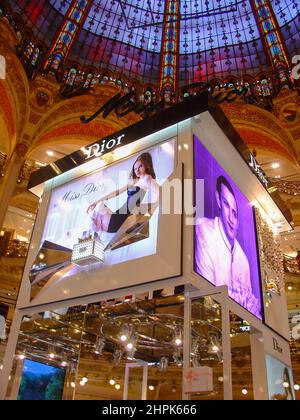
98	149
2	68
276	346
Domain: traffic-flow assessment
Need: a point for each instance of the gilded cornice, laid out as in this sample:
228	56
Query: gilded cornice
64	117
16	82
244	115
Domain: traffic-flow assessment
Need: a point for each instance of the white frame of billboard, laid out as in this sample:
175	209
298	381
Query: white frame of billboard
211	135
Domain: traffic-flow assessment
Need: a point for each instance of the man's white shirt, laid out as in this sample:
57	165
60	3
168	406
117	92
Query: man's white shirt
216	260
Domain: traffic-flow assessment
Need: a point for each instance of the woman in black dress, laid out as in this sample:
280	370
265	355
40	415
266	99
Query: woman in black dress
142	182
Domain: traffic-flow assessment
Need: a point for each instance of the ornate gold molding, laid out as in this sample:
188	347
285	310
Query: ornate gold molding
250	116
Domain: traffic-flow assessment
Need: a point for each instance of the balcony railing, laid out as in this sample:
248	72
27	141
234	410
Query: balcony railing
291	265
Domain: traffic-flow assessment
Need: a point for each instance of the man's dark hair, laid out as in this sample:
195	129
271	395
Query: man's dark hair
222	180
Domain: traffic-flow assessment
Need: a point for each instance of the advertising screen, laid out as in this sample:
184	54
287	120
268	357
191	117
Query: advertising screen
225	237
105	218
41	382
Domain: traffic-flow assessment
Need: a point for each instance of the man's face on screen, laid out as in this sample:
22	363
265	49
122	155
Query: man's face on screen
229	213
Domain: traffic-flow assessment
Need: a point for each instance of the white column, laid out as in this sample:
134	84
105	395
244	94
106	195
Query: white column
259	367
9	353
226	346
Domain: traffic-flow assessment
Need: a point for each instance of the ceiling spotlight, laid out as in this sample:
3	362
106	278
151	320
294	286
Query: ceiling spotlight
126	333
112	382
178	341
50	153
275	165
296	387
285	385
178	335
151	387
73	384
244	391
117	386
21	356
214	344
84	379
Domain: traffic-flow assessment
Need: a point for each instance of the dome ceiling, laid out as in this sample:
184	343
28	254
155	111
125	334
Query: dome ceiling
210	38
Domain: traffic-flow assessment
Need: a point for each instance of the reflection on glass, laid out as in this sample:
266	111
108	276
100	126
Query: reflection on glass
204	378
93	345
135	382
242	381
50	341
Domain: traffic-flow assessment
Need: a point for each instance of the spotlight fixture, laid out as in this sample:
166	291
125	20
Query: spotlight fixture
51	353
163	363
195	361
177	357
118	354
214	344
99	345
126	333
244	391
178	336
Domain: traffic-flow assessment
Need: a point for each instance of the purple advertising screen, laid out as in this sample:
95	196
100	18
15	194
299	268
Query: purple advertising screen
225	237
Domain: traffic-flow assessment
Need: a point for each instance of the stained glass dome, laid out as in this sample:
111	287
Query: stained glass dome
172	41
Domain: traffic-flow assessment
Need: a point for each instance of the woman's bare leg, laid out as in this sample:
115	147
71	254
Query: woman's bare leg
101	219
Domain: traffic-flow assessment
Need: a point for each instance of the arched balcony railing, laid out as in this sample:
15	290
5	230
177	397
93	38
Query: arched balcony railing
291	265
